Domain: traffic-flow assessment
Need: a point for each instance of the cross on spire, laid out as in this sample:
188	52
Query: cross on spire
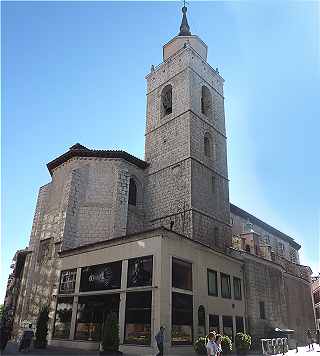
184	27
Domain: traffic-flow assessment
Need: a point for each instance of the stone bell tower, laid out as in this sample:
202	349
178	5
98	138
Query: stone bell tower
187	180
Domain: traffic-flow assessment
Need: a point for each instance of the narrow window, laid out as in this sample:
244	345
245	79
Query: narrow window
202	320
181	274
214	323
132	192
212	283
225	286
262	310
239	324
237	288
207	145
206	102
227	326
166	100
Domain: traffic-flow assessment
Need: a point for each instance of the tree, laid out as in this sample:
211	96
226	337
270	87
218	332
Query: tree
42	328
1	311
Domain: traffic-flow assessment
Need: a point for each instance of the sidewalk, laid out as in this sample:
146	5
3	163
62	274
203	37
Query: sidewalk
12	349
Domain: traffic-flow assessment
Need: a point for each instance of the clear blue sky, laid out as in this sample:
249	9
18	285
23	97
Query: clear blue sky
74	72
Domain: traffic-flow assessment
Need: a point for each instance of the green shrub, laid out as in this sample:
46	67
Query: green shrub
42	328
226	344
110	337
243	343
200	346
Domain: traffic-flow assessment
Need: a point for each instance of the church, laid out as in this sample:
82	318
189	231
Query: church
157	241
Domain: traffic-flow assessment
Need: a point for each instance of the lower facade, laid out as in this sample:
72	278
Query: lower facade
160	279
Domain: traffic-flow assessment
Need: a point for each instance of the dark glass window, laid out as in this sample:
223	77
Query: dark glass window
225	286
101	277
140	272
237	288
67	281
132	192
138	318
92	312
206	101
212	283
201	321
62	323
207	145
214	323
182	319
181	274
239	324
227	326
262	310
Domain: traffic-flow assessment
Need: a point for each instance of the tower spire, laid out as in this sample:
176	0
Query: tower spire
184	27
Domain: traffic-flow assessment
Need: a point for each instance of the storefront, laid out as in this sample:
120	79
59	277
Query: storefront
148	280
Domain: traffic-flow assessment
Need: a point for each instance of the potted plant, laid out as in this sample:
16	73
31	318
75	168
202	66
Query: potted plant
42	328
110	336
200	346
226	344
243	343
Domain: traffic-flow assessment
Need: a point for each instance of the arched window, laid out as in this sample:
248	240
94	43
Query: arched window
166	100
132	192
206	102
207	143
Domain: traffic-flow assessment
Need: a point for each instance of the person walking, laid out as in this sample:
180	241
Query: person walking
212	347
218	342
309	339
26	339
160	340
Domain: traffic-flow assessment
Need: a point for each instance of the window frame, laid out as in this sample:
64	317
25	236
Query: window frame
222	275
186	262
217	288
234	289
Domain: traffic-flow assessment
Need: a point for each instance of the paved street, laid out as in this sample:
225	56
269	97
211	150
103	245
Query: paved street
12	349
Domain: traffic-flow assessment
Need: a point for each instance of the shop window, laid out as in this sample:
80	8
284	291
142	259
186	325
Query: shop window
138	318
237	288
101	277
225	286
67	281
166	100
239	324
227	326
182	319
212	283
181	274
202	320
140	272
62	323
132	192
214	323
92	313
262	310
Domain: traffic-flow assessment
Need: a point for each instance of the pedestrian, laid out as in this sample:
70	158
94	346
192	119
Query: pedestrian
218	342
309	339
160	340
4	336
212	347
26	339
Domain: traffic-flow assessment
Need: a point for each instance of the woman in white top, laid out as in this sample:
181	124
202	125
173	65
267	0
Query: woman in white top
212	347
